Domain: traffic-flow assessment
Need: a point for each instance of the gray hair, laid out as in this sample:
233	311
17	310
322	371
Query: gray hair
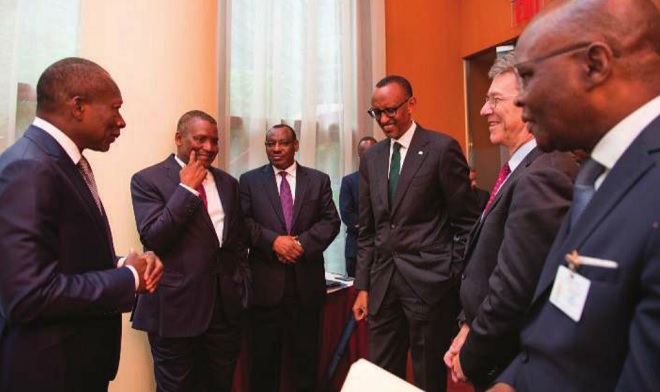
503	64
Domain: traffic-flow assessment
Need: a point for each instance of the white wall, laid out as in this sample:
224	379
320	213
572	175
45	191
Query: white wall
162	54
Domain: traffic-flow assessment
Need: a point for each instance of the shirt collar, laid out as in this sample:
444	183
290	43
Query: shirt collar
179	161
290	171
521	153
610	147
62	139
406	138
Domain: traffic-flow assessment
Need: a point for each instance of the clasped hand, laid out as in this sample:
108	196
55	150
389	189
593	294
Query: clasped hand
288	249
149	269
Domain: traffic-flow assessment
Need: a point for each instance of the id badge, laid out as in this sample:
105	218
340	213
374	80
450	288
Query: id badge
569	293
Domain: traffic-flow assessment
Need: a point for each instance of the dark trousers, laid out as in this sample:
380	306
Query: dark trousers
290	328
198	363
405	321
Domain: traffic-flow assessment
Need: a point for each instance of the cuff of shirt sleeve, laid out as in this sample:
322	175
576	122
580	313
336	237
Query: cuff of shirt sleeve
120	263
194	192
135	276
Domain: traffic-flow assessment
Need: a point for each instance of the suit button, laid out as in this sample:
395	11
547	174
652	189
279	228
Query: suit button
463	276
524	356
392	226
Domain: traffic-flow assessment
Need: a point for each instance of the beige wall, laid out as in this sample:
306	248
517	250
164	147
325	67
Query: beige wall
162	54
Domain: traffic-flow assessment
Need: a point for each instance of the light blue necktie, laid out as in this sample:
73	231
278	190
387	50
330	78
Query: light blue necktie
584	190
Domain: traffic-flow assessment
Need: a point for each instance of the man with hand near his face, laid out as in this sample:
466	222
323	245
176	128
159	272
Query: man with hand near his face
189	213
292	219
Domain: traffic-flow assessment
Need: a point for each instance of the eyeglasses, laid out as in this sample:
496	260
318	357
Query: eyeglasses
389	112
494	101
282	143
554	53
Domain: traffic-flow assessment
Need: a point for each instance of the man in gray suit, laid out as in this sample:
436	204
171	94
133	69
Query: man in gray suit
590	80
508	245
416	210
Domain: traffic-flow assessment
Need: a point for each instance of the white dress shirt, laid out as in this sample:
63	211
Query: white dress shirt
213	202
609	149
290	177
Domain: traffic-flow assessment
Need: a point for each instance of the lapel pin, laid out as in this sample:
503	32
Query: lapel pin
420	152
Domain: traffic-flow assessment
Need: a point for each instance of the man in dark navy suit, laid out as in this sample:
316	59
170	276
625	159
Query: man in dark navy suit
62	289
189	213
590	80
349	198
292	219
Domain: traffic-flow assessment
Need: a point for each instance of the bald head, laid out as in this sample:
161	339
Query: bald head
631	28
68	78
585	65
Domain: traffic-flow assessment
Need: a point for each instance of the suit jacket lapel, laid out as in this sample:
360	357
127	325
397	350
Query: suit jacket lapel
301	188
632	165
382	157
527	160
226	200
414	158
270	187
473	237
173	174
513	177
65	163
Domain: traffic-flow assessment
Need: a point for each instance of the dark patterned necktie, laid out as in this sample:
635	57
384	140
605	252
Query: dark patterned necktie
86	171
395	168
287	201
584	187
504	173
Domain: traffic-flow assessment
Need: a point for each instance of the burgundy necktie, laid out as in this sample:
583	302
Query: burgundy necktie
202	195
287	201
86	171
504	173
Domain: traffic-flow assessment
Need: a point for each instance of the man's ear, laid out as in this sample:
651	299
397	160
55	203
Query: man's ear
77	107
598	64
411	104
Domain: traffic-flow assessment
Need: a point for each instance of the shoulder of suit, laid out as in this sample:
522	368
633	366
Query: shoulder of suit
434	136
308	171
222	174
256	172
351	176
158	167
558	159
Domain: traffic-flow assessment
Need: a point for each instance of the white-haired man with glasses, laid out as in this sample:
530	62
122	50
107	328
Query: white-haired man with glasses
508	246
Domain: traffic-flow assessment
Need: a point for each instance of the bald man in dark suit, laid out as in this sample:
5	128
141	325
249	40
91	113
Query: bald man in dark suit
62	288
